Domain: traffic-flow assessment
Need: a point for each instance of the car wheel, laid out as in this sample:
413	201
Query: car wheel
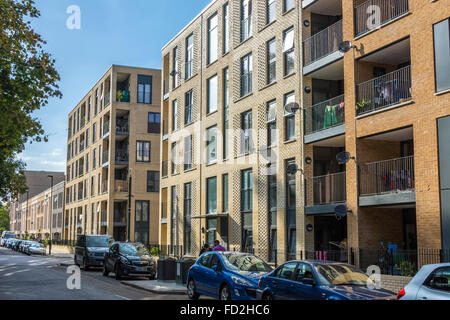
118	272
151	278
105	270
192	294
75	261
225	293
267	297
85	266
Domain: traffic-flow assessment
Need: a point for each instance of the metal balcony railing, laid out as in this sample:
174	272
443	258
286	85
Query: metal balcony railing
326	189
384	177
106	128
121	156
122	126
107	99
325	115
105	158
121	186
82	121
81	145
389	10
384	91
322	43
164	168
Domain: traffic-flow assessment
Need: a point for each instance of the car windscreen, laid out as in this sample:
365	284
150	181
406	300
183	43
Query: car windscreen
340	274
37	245
130	249
97	242
245	262
8	235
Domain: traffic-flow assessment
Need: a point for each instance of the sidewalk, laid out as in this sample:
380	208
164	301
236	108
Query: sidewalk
155	286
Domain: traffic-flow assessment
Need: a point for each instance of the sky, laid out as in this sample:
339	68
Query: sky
130	32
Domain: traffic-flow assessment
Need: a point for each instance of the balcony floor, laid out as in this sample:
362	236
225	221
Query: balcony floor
389	199
325	209
325	134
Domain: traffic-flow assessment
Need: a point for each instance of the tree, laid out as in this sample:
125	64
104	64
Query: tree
28	78
4	217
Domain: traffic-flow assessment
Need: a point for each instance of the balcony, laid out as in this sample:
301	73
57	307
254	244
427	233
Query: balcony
165	127
163	212
121	157
121	186
383	92
390	10
106	128
104	186
81	145
165	168
105	158
123	96
166	88
122	127
387	182
322	48
324	193
325	120
107	99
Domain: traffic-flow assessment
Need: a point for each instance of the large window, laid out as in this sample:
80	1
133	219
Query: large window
143	151
144	89
288	5
174	115
246	210
246	19
141	227
225	193
154	123
288	51
188	101
291	212
246	132
152	181
271	11
187	212
271	61
188	153
211	145
212	39
189	56
226	92
272	123
226	29
272	182
173	220
174	158
212	95
175	67
442	54
246	74
289	118
211	195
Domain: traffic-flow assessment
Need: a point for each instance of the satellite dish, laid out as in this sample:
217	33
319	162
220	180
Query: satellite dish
292	169
343	157
345	46
341	211
173	73
292	107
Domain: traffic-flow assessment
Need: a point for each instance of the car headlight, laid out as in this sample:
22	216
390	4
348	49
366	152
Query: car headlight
241	281
125	261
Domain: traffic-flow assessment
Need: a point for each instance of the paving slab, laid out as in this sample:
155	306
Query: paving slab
155	286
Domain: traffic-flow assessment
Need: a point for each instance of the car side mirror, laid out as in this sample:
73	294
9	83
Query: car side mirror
308	281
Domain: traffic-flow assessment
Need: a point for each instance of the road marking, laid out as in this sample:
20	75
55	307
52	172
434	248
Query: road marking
124	298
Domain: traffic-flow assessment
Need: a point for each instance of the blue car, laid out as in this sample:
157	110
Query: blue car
319	280
226	275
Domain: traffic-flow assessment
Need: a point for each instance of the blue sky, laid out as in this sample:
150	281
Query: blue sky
119	32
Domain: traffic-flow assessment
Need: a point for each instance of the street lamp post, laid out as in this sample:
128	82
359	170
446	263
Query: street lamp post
51	215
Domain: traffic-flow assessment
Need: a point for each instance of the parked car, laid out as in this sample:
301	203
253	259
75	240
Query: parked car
129	259
17	245
90	250
319	280
5	236
35	248
432	282
22	246
10	243
226	275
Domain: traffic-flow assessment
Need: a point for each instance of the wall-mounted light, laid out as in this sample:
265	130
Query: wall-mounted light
308	160
306	23
308	89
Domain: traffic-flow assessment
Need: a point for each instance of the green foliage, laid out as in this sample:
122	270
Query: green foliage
155	251
363	104
4	217
407	269
28	79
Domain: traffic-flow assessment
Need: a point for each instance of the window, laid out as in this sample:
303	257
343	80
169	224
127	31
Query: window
291	212
187	211
87	163
174	211
272	182
87	137
141	227
175	67
304	271
288	5
247	190
211	195
442	54
143	151
272	123
188	100
271	61
154	123
152	181
174	158
271	11
246	137
188	153
212	95
226	92
246	75
96	101
287	271
212	39
289	118
144	89
92	186
189	56
94	158
440	280
89	109
211	145
94	132
288	51
225	193
246	19
226	29
175	115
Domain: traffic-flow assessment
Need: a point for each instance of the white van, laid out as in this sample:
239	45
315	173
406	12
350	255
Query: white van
6	235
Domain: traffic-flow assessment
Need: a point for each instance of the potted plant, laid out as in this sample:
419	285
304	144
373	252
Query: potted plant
363	104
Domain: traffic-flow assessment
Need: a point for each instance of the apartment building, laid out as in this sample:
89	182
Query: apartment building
30	214
376	85
227	138
113	157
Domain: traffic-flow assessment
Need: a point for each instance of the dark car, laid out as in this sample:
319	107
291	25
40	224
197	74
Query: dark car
318	280
90	250
17	245
226	275
129	259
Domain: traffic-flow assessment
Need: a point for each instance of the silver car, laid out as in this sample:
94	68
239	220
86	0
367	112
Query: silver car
432	282
36	248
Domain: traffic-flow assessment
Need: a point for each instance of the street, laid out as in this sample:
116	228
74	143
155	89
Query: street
25	277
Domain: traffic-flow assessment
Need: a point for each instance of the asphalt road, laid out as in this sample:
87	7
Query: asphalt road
25	277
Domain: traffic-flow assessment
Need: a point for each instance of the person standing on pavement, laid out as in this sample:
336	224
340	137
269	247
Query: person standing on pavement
205	248
218	247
